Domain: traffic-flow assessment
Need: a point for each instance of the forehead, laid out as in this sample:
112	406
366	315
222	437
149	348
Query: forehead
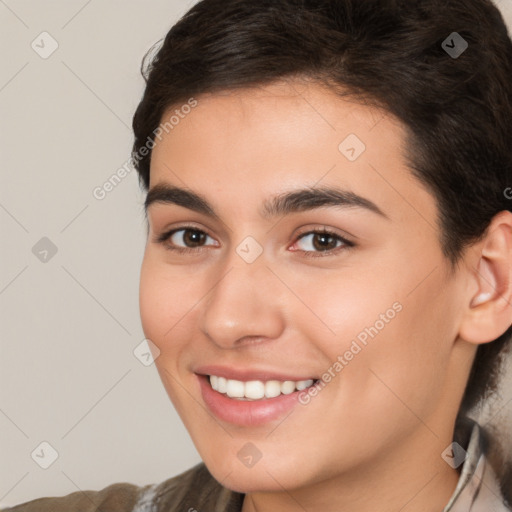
256	142
277	107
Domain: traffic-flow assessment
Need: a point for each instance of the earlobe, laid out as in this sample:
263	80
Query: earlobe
489	312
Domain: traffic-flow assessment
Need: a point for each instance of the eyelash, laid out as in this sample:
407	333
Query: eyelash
162	239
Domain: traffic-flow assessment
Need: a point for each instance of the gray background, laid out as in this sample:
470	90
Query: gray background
70	323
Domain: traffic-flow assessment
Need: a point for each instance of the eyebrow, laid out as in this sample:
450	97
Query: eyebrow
280	205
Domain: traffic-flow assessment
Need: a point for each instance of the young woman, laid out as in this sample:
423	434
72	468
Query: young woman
327	280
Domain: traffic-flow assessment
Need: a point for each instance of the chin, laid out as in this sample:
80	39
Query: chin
248	481
264	476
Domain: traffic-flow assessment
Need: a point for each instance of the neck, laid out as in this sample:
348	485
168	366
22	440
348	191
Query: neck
413	479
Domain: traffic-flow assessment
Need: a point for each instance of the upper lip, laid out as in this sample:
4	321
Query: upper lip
248	374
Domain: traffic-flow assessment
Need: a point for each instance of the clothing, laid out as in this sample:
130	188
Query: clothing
196	490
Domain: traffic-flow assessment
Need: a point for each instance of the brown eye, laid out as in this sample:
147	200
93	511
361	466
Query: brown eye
322	242
192	238
184	239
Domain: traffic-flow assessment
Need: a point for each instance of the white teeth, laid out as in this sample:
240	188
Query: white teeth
235	389
287	387
254	389
272	388
257	389
222	384
303	384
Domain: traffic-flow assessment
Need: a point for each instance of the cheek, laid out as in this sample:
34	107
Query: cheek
381	326
164	301
166	307
152	302
338	306
404	366
168	297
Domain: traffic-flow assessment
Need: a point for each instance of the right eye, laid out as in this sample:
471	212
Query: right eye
184	239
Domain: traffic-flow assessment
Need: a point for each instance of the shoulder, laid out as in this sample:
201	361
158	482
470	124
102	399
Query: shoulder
479	489
118	497
192	489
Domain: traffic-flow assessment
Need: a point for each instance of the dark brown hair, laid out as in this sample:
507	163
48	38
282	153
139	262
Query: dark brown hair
457	109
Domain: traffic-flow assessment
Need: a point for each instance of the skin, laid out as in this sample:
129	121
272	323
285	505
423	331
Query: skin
373	436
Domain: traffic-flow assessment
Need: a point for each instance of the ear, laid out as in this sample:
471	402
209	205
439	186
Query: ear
489	299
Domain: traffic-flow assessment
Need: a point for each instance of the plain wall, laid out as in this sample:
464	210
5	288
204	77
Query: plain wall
70	324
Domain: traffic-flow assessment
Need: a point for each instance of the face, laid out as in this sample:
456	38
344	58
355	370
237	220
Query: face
304	252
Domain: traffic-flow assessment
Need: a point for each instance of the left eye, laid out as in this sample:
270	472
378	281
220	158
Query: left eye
321	241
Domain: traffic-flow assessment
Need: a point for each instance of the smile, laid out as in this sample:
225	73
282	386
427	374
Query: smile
256	389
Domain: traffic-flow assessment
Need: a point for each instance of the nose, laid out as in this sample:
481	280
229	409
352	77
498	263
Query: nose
244	306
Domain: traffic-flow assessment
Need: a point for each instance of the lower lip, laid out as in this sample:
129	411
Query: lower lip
246	413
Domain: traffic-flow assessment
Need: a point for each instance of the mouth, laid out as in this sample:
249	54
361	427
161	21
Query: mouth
255	390
250	403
